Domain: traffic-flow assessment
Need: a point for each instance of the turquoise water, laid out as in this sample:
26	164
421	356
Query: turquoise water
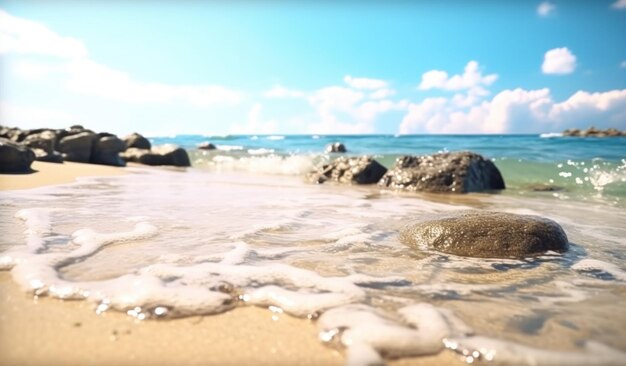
575	168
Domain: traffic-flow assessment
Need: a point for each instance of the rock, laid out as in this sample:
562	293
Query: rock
594	132
173	155
486	234
13	133
77	147
336	147
206	146
106	150
356	170
456	172
137	141
540	187
48	157
165	155
14	158
45	140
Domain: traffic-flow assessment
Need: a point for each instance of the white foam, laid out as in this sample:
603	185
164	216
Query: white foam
260	151
550	135
270	164
229	147
275	137
38	223
597	265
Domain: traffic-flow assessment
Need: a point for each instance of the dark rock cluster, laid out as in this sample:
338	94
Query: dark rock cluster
453	172
20	147
357	170
594	132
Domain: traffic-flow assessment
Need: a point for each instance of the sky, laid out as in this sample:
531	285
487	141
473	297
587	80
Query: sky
304	67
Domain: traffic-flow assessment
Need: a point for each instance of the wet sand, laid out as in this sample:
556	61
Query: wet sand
47	331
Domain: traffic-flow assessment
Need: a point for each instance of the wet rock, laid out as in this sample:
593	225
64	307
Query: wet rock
77	147
14	158
454	172
45	140
486	234
106	150
138	141
206	146
163	155
356	170
336	147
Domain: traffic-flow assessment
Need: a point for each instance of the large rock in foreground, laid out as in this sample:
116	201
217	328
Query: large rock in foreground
163	155
486	234
15	158
454	172
138	141
77	147
106	150
356	170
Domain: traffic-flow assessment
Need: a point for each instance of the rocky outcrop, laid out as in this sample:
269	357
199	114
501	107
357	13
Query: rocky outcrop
486	234
163	155
106	150
137	141
15	158
336	147
453	172
594	132
77	147
43	144
356	170
206	146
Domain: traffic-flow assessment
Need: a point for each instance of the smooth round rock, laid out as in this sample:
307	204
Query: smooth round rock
486	234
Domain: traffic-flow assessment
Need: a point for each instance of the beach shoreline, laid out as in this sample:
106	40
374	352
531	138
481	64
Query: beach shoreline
48	331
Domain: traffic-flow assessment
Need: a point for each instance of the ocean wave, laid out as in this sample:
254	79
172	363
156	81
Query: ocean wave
276	137
229	147
550	135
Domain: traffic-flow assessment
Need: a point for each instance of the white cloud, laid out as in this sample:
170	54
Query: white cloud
22	36
34	117
66	59
619	4
91	78
517	111
255	123
559	61
365	83
382	93
623	65
545	8
279	91
471	78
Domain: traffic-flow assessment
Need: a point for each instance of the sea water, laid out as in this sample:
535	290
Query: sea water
242	228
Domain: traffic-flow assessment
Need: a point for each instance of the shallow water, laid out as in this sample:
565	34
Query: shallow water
160	243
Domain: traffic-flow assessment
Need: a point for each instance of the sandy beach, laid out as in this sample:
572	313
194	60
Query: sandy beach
45	331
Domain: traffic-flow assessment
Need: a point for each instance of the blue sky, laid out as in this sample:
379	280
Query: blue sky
301	67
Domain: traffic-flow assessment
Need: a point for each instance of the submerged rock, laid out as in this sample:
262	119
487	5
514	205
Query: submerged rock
14	158
486	234
336	147
164	155
77	147
455	172
138	141
206	146
356	170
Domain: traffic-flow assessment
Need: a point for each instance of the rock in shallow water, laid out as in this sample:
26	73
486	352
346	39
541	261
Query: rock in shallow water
357	170
486	234
453	172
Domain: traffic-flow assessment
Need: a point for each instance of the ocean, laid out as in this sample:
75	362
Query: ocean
242	228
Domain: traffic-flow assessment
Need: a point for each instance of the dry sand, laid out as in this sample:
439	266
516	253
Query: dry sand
48	331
